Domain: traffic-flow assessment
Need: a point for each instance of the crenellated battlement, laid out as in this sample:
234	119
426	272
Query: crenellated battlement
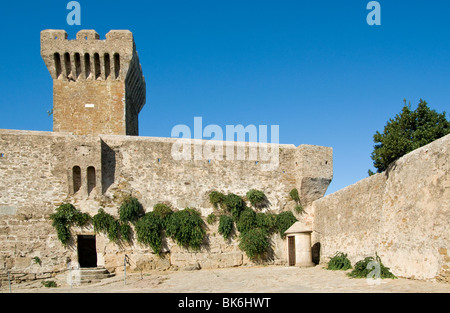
88	57
81	65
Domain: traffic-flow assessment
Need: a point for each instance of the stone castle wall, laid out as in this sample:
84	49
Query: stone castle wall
402	214
37	174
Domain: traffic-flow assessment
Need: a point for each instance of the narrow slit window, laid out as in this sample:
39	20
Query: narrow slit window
67	64
57	59
116	65
107	66
76	176
87	64
91	180
77	65
97	66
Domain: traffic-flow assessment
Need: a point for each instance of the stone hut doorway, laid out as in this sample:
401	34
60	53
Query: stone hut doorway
87	251
291	250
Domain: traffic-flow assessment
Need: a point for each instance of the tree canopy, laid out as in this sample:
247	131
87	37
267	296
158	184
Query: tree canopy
408	131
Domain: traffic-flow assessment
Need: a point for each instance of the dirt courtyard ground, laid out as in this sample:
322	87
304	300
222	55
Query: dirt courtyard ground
264	279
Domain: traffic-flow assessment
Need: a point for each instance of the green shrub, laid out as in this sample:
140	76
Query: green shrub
163	211
130	210
267	221
339	262
284	221
106	223
149	231
225	226
257	198
113	232
62	231
37	260
235	205
49	284
82	219
217	199
211	218
246	221
186	227
125	232
294	195
368	266
255	243
299	209
67	215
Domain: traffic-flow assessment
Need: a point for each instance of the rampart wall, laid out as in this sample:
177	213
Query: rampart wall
401	214
41	170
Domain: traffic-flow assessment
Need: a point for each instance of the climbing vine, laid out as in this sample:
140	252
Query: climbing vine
106	223
284	220
225	226
149	231
254	228
257	198
294	196
255	243
130	210
187	228
67	215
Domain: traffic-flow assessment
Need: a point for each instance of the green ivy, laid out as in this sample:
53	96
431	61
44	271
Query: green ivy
106	223
255	243
149	231
257	198
246	221
125	231
130	210
217	199
211	218
299	209
284	220
163	211
225	226
67	215
49	284
186	227
234	205
267	221
294	195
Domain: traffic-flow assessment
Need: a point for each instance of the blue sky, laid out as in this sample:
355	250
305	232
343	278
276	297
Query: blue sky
315	68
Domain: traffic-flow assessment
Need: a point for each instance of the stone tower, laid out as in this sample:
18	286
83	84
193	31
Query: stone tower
98	85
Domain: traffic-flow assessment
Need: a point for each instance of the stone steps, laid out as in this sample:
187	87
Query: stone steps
94	275
85	276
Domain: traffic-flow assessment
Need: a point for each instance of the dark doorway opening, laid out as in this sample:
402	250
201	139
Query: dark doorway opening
87	252
291	252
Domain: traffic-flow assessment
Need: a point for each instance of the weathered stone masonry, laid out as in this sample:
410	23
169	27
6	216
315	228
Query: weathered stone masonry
37	174
91	161
402	214
98	86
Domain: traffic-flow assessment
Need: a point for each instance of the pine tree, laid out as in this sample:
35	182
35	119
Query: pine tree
408	131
